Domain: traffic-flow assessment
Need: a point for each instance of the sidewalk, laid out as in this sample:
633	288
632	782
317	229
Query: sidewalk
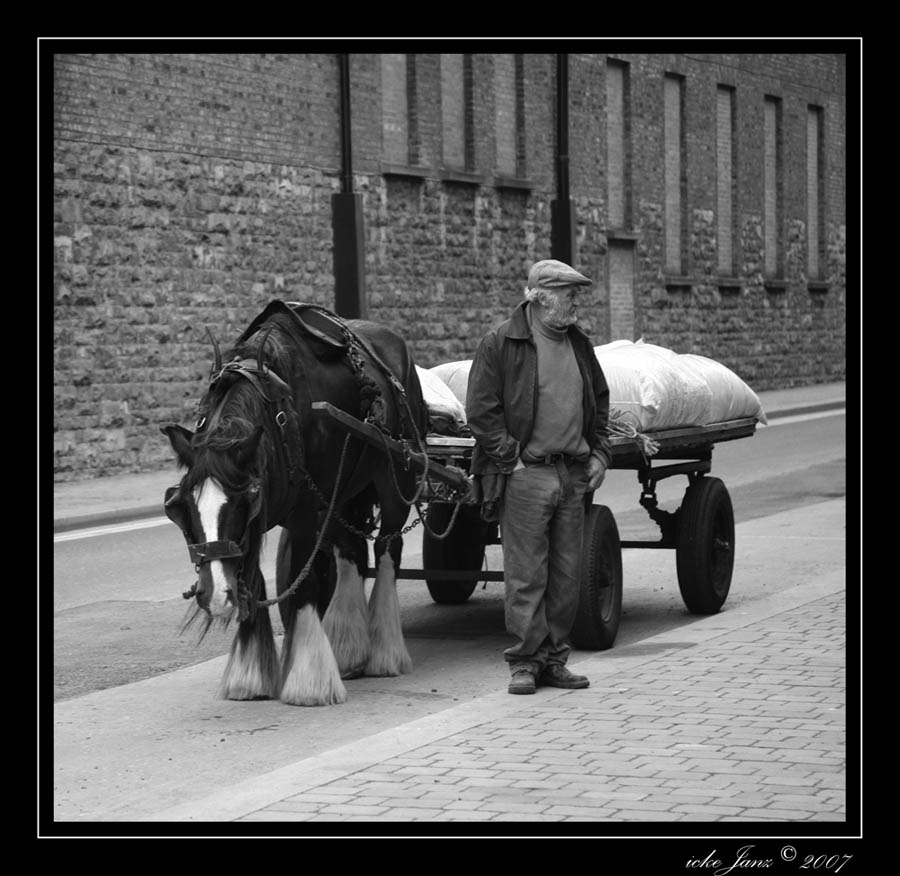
103	501
738	717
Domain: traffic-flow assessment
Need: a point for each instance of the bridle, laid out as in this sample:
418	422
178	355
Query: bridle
283	425
282	422
203	553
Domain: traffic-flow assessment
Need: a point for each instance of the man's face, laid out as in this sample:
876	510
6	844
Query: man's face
562	307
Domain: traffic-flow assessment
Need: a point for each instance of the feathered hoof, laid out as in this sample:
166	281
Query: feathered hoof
245	696
304	696
353	672
252	670
309	671
389	666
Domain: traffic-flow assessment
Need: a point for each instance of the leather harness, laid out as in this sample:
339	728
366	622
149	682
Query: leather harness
330	330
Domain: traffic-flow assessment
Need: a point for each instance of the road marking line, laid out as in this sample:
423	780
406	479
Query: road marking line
792	538
111	529
800	418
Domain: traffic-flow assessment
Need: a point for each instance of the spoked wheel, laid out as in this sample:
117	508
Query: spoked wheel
462	549
600	603
705	551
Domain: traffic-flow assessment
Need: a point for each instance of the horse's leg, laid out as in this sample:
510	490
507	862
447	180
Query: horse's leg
309	672
345	620
388	654
252	669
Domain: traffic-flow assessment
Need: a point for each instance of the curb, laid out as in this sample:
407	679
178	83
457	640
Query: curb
127	515
107	518
813	408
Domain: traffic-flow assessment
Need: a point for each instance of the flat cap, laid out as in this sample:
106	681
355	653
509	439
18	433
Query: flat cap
550	273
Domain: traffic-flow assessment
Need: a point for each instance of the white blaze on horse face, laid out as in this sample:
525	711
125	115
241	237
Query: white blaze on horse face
210	500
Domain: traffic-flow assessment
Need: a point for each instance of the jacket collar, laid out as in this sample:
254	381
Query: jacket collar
519	329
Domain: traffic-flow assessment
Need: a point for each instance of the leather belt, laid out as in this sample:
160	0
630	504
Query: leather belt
553	459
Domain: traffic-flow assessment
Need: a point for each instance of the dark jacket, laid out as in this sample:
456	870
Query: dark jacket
501	397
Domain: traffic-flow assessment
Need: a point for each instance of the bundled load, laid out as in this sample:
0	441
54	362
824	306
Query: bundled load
456	376
651	388
447	414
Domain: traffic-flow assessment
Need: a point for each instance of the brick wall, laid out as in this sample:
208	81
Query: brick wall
190	190
773	337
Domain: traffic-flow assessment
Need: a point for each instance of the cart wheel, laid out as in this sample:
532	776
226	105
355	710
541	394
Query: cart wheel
704	555
462	549
600	603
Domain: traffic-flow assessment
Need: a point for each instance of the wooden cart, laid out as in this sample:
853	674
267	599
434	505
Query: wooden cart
700	531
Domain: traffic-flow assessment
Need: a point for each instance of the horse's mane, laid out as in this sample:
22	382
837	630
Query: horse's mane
233	410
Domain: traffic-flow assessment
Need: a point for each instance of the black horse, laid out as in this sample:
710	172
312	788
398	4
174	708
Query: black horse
260	457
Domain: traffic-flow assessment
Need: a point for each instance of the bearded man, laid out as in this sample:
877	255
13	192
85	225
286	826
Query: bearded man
538	406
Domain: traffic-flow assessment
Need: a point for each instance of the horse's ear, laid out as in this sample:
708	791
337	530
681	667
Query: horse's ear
180	439
249	446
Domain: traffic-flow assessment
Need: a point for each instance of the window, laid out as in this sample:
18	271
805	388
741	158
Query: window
395	109
398	107
726	181
618	145
674	169
455	110
773	188
509	97
815	194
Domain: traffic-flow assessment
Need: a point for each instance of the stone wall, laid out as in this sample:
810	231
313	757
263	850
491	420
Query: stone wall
191	190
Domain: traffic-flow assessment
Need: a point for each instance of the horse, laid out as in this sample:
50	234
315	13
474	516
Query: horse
259	457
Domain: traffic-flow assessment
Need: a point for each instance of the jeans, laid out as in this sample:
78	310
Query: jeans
541	524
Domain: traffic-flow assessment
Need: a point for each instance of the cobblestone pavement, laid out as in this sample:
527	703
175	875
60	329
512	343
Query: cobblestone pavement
758	737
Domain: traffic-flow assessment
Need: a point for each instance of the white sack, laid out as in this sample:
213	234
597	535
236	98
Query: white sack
655	388
456	376
439	398
732	399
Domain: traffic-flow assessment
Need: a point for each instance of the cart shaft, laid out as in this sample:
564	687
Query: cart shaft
454	477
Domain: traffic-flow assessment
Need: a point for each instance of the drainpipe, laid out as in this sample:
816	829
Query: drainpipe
562	214
347	219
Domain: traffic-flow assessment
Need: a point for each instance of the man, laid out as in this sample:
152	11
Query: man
538	406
